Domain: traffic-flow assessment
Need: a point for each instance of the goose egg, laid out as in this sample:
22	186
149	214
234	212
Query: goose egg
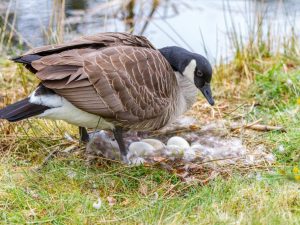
141	149
157	145
174	150
178	141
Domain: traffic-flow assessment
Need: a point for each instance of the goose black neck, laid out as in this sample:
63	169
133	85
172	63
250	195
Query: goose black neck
178	57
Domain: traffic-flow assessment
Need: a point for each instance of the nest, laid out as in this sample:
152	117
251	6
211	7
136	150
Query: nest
194	152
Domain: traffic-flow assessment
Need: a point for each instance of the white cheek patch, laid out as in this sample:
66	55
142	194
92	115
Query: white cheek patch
189	70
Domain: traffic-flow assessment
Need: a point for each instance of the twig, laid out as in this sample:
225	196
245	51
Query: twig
259	127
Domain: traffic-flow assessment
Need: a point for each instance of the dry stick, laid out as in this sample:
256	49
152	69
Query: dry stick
259	127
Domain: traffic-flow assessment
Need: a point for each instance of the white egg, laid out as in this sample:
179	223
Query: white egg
174	151
140	149
178	141
155	143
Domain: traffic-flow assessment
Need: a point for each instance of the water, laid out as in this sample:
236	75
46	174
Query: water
192	24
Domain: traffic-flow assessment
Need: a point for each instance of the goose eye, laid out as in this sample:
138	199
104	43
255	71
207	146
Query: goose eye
199	73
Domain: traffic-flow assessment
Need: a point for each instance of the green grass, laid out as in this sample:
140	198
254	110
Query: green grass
277	92
277	89
143	196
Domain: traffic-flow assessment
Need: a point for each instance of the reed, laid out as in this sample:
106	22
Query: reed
263	48
56	28
6	29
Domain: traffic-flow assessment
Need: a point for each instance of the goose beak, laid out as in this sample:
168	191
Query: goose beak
206	91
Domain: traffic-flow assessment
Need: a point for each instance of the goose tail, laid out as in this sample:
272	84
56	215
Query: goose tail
21	110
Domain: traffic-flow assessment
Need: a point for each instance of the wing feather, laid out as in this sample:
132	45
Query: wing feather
118	76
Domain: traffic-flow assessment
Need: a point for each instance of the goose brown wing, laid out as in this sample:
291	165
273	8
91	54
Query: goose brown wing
96	41
122	83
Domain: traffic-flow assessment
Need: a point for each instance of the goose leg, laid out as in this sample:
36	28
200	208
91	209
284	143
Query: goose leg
118	133
84	136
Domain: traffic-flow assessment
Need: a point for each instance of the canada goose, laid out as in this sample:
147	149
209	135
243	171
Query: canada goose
112	81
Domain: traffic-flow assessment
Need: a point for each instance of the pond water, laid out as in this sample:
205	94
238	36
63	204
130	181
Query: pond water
192	24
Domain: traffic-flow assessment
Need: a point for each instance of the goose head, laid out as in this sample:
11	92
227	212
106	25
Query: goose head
193	66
